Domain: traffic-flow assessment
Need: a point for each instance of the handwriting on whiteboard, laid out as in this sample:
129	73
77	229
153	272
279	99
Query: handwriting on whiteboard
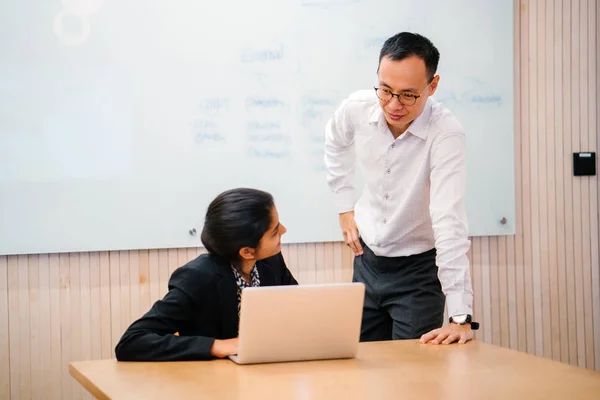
261	55
254	152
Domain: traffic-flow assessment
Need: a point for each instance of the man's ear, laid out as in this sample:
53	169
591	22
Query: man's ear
247	253
434	84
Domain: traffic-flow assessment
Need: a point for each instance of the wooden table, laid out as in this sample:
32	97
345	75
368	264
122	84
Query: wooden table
382	370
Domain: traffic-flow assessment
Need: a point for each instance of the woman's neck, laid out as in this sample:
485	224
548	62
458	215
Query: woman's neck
245	268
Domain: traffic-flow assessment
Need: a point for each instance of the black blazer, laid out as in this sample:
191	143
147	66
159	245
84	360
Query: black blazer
201	305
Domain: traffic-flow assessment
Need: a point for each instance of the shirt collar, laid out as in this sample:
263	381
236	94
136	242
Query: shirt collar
419	127
254	279
377	114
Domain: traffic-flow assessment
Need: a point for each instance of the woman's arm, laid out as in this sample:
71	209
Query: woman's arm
152	337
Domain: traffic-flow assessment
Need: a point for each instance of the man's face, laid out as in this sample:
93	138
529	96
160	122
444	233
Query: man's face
408	78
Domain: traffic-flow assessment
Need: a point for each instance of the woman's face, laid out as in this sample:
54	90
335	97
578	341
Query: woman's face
270	243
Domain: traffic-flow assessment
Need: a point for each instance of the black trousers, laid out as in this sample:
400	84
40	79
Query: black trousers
403	298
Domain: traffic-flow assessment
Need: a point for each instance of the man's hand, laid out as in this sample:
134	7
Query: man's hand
224	348
350	232
449	334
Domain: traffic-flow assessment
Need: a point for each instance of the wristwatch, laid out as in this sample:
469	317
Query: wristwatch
464	319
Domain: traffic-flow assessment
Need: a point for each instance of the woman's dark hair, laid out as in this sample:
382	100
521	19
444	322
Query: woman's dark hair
406	44
235	219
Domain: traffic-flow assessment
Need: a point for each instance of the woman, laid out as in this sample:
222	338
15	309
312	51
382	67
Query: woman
242	234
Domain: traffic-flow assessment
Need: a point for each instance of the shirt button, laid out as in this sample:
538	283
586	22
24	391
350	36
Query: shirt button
388	171
385	220
386	196
393	145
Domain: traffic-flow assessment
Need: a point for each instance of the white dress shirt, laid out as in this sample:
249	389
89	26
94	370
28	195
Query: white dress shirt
414	186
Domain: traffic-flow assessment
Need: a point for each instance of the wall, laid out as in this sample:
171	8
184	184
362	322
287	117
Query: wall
537	291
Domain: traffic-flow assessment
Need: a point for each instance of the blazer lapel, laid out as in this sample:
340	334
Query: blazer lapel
265	276
227	290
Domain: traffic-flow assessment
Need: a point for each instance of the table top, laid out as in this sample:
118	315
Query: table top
382	370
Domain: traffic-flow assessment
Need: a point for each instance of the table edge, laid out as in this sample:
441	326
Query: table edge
86	383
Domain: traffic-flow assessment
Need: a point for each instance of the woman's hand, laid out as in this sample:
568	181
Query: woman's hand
224	348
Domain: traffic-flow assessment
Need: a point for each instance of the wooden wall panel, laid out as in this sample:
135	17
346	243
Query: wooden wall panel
537	291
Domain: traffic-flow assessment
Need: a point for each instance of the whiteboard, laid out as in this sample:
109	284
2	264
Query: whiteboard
121	120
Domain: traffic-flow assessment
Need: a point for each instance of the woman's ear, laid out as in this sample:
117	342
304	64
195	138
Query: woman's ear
247	253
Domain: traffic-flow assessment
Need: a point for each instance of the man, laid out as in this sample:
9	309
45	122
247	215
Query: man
408	230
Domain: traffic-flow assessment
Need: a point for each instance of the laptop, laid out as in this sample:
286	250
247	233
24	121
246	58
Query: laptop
299	322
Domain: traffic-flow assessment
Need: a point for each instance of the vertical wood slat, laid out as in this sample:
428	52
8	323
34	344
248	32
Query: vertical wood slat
583	181
34	329
24	338
164	274
543	317
594	105
528	115
320	263
511	298
134	286
153	275
124	294
477	288
74	319
534	107
347	262
65	322
494	291
84	330
13	327
173	258
568	198
559	291
292	261
585	186
550	284
5	370
85	315
145	279
337	264
106	306
523	190
329	268
45	337
55	326
301	266
95	307
516	285
504	323
311	263
115	302
486	291
577	212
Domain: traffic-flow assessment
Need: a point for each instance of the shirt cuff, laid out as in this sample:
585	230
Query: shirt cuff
344	201
459	303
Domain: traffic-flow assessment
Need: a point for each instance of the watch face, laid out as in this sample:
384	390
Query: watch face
459	319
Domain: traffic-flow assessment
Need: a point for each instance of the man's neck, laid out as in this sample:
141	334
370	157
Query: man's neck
398	131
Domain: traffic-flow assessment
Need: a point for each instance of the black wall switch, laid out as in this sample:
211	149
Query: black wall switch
584	164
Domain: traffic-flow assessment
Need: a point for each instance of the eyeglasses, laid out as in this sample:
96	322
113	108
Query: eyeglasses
407	99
